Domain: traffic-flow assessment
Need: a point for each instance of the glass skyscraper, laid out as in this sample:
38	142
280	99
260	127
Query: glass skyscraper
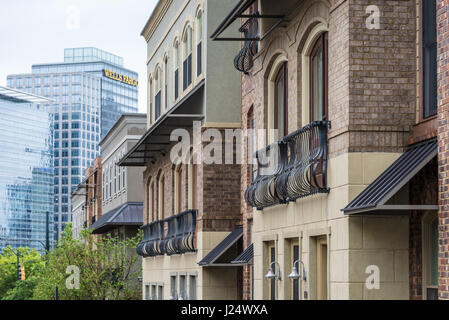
91	90
26	170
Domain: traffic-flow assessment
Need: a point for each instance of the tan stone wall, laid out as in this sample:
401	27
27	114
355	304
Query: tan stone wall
372	108
353	243
213	283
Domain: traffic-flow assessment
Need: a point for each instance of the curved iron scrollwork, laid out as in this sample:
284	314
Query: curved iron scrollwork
150	244
270	163
302	169
179	237
243	61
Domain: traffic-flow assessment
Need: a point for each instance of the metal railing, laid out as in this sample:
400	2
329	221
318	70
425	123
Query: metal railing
150	244
173	235
301	168
243	61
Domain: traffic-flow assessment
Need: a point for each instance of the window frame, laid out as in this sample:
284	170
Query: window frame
282	72
320	42
422	45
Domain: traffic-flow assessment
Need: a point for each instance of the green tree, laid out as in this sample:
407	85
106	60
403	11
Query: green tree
108	269
32	261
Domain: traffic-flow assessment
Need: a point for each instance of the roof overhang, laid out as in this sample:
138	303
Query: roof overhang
374	200
129	214
156	140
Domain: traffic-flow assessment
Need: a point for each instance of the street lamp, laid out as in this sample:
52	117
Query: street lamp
295	275
271	274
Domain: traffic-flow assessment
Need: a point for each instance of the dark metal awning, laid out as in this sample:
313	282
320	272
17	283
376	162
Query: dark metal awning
375	198
233	15
221	255
129	214
156	140
238	12
245	257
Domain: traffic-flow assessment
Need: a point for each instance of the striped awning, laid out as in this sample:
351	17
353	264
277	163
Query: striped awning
226	248
246	256
374	199
129	214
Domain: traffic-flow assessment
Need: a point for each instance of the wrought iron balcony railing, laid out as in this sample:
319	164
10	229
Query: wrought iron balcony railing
173	235
152	235
301	162
243	61
181	233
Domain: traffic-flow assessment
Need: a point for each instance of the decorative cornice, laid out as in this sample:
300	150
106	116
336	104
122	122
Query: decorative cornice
155	18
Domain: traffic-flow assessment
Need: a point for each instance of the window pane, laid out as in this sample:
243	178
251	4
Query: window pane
429	58
317	85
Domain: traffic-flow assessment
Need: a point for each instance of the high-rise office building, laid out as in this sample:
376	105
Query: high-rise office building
91	90
26	170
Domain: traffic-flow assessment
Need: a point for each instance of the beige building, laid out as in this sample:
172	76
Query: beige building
121	188
352	199
189	207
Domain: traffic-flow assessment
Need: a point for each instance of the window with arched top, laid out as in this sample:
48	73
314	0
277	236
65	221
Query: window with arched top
192	183
166	82
178	188
318	79
277	115
187	56
176	68
158	91
199	43
150	98
280	101
161	196
151	201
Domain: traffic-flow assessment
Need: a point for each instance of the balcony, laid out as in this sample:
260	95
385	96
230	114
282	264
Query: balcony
152	235
244	59
299	170
173	235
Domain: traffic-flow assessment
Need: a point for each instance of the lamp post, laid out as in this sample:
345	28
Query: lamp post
271	274
295	275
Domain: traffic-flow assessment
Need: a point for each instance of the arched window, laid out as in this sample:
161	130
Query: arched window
192	183
166	82
158	90
178	186
187	63
151	201
150	99
318	79
280	101
161	196
176	67
199	44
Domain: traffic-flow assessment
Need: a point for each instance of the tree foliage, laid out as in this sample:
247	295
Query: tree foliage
32	261
109	269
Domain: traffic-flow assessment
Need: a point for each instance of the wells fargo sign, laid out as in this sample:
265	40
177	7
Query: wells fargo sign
119	77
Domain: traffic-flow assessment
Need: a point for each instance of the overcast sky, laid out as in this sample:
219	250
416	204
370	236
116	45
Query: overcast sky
38	31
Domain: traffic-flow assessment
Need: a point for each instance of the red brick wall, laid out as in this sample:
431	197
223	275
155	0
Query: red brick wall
217	192
94	175
443	142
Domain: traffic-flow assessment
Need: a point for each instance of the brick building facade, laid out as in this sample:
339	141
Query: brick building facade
443	115
378	111
94	189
